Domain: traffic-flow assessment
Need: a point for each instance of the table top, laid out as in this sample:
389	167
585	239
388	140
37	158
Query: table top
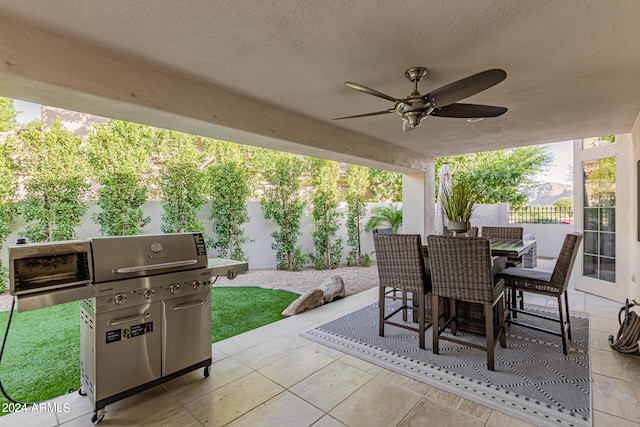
512	248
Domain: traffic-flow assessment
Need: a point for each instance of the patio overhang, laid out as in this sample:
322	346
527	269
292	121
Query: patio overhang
268	75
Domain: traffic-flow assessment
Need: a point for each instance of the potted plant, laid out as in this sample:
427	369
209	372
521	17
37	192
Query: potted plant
458	205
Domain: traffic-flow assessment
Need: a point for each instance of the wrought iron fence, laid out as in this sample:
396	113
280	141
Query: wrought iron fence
541	215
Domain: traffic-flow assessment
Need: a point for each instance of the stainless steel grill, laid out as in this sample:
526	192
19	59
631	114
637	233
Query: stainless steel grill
146	314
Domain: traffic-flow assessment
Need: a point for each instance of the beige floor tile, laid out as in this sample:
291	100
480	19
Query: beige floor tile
391	377
296	366
427	411
193	385
616	397
599	340
608	324
217	355
331	385
240	342
73	405
601	419
377	403
284	410
456	402
178	417
233	400
498	419
363	365
267	352
27	418
327	351
138	408
610	363
328	421
602	307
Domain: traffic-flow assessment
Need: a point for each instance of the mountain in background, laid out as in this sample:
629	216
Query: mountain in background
547	193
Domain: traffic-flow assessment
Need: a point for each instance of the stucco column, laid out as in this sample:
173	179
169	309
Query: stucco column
418	201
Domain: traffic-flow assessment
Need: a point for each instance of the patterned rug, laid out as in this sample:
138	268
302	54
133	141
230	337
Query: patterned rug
533	380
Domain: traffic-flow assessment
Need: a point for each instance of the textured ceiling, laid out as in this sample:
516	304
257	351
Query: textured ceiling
573	66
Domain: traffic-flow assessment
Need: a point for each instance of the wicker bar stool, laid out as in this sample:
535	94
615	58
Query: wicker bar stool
551	284
401	266
462	270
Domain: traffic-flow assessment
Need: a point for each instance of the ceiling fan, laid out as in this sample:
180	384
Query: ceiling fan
441	102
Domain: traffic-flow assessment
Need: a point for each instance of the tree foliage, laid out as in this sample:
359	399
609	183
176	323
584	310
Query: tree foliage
358	183
385	217
502	175
54	168
326	195
119	157
282	203
230	190
385	186
8	184
182	183
8	115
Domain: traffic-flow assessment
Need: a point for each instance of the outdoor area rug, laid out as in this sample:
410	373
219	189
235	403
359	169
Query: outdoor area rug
533	380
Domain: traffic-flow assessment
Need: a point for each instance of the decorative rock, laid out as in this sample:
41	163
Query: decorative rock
307	301
333	287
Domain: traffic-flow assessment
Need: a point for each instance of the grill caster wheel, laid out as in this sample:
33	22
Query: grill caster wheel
98	416
206	371
81	392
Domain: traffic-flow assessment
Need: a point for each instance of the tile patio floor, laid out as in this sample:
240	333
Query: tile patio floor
272	377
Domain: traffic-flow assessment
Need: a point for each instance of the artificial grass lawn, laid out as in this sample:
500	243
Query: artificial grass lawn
235	310
42	356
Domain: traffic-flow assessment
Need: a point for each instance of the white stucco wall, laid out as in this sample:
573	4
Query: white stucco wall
259	251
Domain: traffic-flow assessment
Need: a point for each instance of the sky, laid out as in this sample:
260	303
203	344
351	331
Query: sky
562	151
561	164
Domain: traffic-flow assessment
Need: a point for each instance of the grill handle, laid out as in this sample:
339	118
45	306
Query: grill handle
139	268
187	305
128	319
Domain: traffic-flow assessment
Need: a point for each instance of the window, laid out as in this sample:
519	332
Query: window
598	142
600	219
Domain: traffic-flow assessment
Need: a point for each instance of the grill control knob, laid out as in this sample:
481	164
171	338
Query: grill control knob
196	284
148	293
119	299
174	289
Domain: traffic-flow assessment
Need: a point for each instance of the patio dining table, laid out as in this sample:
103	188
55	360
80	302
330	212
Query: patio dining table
500	250
510	248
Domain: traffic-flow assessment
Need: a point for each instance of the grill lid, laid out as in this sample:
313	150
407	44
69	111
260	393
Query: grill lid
116	258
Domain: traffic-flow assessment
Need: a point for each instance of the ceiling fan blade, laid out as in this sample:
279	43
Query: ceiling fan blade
464	88
370	91
376	113
468	111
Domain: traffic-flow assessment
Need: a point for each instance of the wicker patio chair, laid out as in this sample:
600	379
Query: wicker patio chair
509	233
461	270
383	231
505	233
401	265
547	283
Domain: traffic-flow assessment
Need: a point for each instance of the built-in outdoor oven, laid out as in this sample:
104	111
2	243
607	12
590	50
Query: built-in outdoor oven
45	266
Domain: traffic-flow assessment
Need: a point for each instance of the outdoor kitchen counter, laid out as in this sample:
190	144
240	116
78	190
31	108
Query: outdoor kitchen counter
227	267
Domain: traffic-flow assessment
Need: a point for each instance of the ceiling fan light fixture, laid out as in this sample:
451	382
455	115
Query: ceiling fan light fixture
413	118
475	119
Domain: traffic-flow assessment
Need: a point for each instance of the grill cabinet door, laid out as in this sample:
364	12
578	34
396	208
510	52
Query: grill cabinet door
187	331
128	348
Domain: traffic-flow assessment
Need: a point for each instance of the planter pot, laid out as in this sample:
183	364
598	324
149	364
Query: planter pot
458	226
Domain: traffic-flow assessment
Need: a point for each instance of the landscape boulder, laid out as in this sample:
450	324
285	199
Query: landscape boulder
333	287
307	301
